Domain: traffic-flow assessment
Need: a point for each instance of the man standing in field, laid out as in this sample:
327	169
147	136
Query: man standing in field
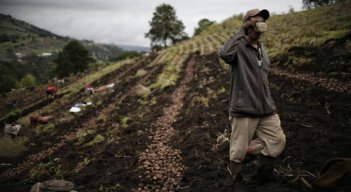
251	110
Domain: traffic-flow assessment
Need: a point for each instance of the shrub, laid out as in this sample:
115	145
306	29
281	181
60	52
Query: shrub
10	148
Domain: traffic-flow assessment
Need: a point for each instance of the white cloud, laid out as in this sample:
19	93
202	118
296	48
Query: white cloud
125	22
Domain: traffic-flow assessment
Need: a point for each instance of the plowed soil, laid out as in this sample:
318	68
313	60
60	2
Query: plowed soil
168	140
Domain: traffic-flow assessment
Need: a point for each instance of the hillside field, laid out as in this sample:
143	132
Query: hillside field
157	129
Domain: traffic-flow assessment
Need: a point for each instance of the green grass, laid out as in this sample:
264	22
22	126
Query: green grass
11	148
170	73
81	135
44	128
309	28
44	170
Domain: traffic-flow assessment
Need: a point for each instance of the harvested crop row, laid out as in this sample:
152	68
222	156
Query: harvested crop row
87	123
160	163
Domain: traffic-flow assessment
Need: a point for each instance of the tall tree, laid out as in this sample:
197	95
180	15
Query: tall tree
72	59
8	78
165	26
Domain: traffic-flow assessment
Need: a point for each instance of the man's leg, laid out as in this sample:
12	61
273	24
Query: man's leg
271	133
243	129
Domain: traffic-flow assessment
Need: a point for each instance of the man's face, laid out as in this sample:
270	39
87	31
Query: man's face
252	33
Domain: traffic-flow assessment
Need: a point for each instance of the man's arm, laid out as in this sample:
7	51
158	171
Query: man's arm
228	51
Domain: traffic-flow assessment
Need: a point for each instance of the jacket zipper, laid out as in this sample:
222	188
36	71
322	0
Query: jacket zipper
260	64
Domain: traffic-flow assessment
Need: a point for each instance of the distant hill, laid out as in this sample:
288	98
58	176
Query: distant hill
27	49
134	48
18	39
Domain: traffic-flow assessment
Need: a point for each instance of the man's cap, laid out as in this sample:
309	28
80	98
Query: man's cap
254	12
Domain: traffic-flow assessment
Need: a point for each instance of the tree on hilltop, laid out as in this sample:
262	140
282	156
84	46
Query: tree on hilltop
203	24
165	26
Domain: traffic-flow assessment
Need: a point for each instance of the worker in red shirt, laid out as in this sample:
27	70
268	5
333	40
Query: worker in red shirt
51	92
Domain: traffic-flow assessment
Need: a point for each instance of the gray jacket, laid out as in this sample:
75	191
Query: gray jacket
249	91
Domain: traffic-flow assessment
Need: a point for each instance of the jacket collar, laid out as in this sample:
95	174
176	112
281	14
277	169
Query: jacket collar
248	44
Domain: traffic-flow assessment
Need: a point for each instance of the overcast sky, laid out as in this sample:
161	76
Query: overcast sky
126	22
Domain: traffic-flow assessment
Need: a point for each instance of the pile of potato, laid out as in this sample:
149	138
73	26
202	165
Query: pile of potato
161	164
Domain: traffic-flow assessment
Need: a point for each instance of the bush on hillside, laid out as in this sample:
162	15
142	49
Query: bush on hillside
203	24
27	80
73	58
7	77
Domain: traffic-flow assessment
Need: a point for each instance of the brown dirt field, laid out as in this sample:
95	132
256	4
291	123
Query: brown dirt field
168	140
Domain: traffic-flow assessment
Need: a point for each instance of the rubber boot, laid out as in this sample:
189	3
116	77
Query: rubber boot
263	170
234	169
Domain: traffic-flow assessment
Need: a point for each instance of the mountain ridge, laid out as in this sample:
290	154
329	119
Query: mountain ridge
18	32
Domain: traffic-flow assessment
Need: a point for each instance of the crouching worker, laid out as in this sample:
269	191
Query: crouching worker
251	109
88	89
39	119
51	92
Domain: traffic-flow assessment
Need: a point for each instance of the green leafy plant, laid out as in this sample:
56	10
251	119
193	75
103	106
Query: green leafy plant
43	170
124	121
81	135
97	139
